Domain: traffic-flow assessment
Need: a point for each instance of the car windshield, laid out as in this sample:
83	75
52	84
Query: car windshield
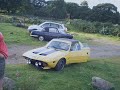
59	45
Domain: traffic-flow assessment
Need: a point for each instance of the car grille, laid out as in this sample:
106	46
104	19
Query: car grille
43	64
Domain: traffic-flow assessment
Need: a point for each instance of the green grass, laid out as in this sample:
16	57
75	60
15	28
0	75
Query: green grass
16	35
89	37
73	77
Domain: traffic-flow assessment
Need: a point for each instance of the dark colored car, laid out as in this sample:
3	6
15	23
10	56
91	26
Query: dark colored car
48	33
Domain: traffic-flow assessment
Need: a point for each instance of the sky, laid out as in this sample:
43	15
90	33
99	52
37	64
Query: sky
92	3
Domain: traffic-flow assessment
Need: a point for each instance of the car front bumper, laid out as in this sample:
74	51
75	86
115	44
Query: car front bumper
37	63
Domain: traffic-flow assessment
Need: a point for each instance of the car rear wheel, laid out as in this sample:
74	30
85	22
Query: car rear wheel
41	38
60	65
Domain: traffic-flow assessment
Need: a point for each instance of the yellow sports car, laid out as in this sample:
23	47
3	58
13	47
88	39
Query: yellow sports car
57	53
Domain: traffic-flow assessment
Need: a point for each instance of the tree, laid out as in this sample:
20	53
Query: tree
26	7
38	3
84	3
73	10
85	12
11	6
105	12
2	5
58	9
38	7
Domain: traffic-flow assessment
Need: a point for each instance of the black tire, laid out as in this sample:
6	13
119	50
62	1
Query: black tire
33	62
60	65
41	38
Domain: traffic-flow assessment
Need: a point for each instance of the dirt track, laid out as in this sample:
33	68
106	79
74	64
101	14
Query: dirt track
101	50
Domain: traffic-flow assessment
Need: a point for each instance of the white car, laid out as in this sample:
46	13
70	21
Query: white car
59	26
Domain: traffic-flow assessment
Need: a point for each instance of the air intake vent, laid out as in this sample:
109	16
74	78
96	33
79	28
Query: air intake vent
35	52
43	54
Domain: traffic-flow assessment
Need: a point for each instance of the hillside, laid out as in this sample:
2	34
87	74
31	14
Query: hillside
104	62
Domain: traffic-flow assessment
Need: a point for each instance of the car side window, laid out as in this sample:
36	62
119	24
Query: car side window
46	29
54	25
53	30
75	47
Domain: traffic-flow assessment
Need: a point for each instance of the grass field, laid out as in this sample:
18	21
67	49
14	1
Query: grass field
87	37
73	77
16	35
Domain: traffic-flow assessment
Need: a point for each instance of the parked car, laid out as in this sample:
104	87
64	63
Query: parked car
48	33
59	26
57	53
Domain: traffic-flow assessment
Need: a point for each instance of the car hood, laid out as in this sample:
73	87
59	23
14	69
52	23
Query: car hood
33	27
45	54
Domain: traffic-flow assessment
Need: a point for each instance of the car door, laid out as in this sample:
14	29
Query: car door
53	33
76	54
45	32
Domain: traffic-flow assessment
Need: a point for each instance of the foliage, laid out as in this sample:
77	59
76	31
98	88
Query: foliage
59	9
85	13
105	13
5	19
25	8
83	26
10	6
96	27
38	3
17	19
80	25
84	3
72	10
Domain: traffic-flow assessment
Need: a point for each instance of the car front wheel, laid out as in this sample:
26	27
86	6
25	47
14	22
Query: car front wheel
41	38
60	65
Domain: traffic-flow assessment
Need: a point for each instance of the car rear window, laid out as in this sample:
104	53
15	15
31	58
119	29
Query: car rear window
46	25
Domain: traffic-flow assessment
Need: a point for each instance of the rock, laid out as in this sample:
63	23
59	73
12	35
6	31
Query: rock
101	84
8	83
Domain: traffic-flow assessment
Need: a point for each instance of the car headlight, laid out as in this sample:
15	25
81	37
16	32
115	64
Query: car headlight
36	64
39	63
28	61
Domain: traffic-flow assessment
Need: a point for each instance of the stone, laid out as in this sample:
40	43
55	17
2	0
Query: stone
8	83
101	84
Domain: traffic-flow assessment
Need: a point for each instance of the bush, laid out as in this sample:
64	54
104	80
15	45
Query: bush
17	19
5	19
96	27
83	26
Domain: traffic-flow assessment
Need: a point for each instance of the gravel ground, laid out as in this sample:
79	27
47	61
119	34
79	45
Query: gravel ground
15	53
105	51
97	51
